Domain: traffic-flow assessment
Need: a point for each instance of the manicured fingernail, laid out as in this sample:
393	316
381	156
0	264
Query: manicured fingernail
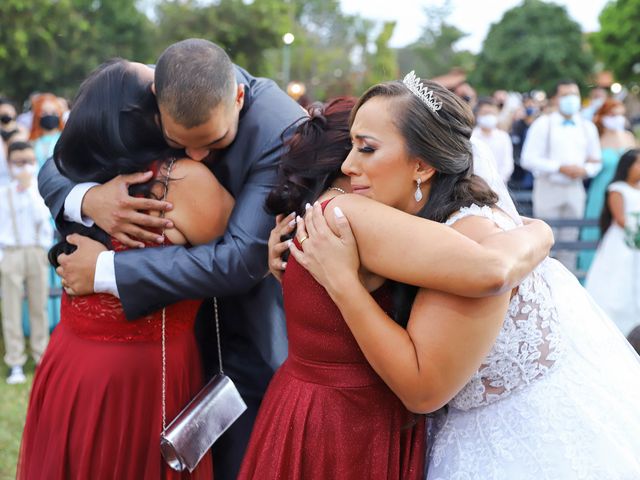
292	215
292	222
284	265
168	224
298	218
315	204
160	239
338	212
289	242
307	206
169	206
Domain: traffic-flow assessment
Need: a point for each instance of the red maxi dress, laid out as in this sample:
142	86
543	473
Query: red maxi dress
95	410
326	413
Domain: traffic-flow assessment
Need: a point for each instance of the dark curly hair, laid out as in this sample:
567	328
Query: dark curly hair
315	153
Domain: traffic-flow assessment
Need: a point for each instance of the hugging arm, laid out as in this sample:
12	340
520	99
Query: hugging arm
415	251
445	341
229	265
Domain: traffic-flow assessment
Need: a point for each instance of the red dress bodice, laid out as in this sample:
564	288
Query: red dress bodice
101	317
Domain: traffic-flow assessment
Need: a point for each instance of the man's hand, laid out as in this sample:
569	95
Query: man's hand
573	171
120	215
78	270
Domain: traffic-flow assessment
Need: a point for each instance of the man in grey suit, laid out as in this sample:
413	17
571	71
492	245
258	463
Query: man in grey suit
236	124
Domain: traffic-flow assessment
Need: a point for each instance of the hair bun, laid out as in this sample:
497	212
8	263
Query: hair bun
316	112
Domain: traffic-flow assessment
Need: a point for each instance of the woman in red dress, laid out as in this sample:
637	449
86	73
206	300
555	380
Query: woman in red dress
327	413
95	410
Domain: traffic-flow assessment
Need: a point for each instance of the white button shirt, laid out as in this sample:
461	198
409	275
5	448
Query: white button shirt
551	144
32	218
499	142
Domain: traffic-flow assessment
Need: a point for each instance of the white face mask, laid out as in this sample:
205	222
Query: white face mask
487	121
614	122
569	104
27	169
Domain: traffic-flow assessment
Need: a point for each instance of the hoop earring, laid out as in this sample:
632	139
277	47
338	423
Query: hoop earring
418	194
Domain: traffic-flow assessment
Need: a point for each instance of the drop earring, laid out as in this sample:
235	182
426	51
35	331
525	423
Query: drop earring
418	194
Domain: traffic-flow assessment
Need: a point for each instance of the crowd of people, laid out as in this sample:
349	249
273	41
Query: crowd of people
403	281
579	163
26	229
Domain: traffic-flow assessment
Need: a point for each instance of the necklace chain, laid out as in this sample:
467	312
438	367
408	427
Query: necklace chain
337	189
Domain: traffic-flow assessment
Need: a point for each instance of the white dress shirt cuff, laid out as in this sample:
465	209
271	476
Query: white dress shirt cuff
105	277
73	204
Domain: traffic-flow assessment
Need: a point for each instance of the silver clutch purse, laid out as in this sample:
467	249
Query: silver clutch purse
207	416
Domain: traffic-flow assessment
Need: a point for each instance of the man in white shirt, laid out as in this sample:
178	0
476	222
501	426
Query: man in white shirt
562	149
25	236
497	140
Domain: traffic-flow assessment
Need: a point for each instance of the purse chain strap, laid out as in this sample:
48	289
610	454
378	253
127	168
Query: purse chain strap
164	320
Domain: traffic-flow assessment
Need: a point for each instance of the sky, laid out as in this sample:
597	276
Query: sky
471	16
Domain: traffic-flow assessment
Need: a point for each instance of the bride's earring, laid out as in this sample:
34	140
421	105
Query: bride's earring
418	194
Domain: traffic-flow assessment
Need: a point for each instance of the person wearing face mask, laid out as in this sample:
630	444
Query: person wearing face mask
8	128
610	120
498	141
47	126
25	236
519	130
561	150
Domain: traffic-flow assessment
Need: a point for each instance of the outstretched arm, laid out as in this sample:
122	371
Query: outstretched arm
415	251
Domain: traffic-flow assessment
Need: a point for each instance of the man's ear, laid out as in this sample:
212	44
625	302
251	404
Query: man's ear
153	87
240	96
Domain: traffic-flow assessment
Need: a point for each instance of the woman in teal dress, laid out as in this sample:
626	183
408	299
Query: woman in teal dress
614	140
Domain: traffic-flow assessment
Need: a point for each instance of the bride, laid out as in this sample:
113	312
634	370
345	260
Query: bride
556	395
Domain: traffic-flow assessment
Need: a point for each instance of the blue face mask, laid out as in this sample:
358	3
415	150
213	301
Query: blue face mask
569	104
531	111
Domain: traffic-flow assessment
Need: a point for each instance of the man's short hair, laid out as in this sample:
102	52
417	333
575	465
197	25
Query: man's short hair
17	146
566	81
193	77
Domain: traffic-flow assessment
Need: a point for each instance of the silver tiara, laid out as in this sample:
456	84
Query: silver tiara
414	84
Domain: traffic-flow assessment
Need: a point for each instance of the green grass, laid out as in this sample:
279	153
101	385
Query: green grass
13	408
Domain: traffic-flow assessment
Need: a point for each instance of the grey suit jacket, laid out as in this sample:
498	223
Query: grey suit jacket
232	267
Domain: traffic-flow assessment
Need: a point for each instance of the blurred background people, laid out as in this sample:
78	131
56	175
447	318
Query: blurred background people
530	111
597	97
498	141
25	237
47	125
8	127
614	278
610	120
561	150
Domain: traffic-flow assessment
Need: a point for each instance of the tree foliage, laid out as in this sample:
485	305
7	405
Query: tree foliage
617	43
434	53
532	47
47	45
244	30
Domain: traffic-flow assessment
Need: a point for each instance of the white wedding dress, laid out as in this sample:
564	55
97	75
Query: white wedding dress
614	277
558	396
